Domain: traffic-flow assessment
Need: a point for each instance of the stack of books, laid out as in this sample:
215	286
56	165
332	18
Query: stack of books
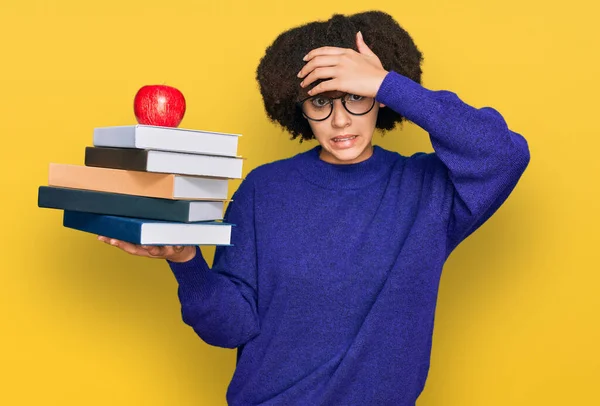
148	185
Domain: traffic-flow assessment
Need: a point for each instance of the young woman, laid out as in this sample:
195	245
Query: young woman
329	289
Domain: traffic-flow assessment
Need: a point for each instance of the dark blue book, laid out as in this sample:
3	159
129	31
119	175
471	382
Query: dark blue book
118	204
149	232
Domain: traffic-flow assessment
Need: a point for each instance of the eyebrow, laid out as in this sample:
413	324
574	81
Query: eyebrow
303	94
332	93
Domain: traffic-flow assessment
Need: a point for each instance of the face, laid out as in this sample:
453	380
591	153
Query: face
345	138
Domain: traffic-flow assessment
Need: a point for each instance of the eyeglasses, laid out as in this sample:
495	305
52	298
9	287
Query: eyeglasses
319	108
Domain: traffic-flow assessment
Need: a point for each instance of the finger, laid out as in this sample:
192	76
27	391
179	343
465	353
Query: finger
327	86
128	247
178	248
319	73
324	51
363	48
106	240
319	62
156	250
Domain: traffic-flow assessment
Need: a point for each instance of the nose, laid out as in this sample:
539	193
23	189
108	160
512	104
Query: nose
340	117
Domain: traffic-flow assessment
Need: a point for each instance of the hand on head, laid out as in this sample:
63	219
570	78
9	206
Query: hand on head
360	73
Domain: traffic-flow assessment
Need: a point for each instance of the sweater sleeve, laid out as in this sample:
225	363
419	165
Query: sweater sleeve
482	158
220	304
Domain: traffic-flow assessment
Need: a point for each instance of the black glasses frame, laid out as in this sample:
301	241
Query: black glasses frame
331	99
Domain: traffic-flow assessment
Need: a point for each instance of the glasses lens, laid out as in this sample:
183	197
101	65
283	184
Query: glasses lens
358	104
317	107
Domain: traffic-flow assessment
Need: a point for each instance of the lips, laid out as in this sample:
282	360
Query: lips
343	138
343	142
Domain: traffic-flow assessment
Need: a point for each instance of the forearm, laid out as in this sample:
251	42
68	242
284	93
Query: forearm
219	309
471	142
483	158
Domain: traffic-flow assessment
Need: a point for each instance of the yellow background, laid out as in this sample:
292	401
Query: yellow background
84	323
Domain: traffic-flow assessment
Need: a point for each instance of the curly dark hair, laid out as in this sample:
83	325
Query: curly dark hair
277	70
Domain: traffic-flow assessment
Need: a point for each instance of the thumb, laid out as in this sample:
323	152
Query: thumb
362	47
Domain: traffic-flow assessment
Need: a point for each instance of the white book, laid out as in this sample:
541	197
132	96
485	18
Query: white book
167	139
185	234
193	164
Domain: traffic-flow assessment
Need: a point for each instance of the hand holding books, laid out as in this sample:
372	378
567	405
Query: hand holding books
177	253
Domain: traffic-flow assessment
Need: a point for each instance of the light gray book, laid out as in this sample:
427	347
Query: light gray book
167	139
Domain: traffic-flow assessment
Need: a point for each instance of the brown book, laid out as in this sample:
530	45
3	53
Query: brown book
161	185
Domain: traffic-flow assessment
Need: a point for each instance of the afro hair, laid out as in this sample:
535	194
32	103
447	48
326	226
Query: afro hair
277	70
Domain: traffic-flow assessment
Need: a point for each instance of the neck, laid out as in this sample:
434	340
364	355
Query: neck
348	175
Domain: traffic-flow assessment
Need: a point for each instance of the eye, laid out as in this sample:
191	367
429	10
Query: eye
354	97
320	101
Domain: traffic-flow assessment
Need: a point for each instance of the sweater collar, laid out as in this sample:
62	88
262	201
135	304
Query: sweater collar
345	176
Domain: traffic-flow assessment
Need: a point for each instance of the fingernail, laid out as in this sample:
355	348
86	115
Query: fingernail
302	84
360	35
305	57
113	242
299	74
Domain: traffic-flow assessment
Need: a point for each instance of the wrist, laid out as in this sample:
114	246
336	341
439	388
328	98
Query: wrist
378	80
187	254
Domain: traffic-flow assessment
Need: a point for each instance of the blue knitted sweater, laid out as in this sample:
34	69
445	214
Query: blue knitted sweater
329	291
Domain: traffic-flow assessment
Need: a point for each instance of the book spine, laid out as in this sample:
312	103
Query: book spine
117	158
112	180
114	204
107	226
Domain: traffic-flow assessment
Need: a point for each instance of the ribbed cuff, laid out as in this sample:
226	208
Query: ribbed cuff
191	274
407	98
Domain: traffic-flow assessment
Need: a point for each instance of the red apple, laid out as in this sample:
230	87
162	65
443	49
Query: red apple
159	105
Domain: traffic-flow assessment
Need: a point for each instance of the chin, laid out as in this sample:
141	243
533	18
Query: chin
347	155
